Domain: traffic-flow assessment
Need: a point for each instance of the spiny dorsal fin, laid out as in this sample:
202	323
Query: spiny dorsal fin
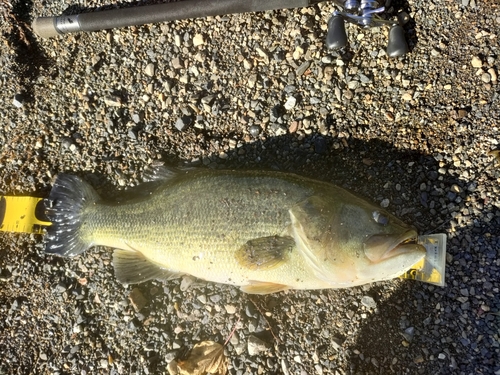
259	287
265	252
131	267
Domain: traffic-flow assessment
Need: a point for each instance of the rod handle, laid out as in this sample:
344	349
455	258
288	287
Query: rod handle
45	27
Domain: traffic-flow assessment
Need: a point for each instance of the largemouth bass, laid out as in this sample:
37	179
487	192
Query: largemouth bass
263	231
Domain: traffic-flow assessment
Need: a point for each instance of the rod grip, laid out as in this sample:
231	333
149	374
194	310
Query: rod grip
45	27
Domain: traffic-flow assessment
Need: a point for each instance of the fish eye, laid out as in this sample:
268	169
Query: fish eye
380	218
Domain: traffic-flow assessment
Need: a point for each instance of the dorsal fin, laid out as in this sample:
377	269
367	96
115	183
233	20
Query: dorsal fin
131	267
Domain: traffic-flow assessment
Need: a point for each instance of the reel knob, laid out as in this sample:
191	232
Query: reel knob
397	45
336	36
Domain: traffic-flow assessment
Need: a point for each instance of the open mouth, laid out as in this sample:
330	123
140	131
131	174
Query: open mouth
384	246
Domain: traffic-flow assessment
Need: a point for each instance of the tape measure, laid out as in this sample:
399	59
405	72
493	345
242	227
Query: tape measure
430	269
22	214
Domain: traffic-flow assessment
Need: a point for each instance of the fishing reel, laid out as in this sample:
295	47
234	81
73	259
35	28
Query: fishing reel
366	14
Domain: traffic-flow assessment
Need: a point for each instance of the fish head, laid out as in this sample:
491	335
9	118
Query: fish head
351	242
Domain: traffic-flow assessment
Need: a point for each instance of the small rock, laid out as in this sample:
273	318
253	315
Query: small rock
182	123
198	40
137	299
254	130
369	302
247	64
285	367
492	74
302	68
215	298
150	70
385	203
230	309
485	77
409	333
297	54
137	118
176	63
353	85
186	282
263	55
255	345
290	103
476	62
113	101
252	80
406	97
336	343
18	101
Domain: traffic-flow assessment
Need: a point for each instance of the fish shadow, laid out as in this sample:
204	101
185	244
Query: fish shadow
423	190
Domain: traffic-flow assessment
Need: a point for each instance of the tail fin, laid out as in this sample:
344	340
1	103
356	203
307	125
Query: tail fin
69	196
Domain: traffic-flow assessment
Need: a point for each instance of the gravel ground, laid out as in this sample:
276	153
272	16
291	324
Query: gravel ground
257	91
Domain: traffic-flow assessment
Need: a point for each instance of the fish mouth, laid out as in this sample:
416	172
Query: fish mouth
381	247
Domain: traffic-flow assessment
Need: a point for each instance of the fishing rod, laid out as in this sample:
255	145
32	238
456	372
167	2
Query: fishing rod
364	13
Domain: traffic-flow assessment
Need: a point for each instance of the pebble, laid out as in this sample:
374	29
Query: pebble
113	101
302	68
150	70
493	74
369	302
263	55
247	64
183	123
17	101
254	130
137	299
486	78
407	96
176	63
290	103
255	346
476	62
198	40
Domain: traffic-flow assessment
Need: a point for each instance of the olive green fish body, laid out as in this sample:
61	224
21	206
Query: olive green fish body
263	231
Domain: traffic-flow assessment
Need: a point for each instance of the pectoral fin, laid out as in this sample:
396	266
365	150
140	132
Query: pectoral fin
131	267
258	287
265	252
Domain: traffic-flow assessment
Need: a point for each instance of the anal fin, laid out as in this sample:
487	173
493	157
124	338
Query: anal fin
260	287
265	252
131	267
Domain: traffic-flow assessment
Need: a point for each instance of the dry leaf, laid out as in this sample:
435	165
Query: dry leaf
207	357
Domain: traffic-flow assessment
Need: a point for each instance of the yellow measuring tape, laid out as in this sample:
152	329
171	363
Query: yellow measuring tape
19	214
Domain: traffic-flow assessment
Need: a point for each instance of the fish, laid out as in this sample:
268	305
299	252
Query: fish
262	231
